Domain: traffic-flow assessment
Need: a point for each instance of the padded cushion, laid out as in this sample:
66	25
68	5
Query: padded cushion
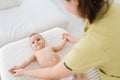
8	3
31	16
16	52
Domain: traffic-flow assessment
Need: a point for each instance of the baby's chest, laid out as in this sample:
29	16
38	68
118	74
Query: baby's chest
45	53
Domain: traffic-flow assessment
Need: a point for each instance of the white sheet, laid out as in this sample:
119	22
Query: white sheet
16	52
31	16
8	3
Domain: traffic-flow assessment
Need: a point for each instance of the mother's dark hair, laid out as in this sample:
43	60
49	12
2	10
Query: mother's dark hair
90	8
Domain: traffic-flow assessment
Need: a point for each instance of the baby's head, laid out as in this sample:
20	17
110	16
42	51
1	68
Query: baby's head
37	42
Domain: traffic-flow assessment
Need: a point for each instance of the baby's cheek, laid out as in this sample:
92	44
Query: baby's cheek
33	46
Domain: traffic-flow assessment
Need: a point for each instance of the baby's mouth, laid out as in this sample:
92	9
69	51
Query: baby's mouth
38	45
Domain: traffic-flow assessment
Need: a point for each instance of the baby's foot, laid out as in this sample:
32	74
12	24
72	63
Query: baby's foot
79	77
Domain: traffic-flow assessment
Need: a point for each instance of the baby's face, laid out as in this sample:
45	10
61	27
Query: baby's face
37	42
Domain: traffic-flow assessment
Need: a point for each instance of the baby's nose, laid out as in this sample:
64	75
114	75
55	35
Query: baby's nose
36	42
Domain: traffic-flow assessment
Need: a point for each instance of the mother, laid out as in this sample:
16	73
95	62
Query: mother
98	47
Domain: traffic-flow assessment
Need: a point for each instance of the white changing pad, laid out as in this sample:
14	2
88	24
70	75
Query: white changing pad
16	52
30	16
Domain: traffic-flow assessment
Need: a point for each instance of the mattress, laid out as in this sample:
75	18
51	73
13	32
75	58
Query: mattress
16	52
30	16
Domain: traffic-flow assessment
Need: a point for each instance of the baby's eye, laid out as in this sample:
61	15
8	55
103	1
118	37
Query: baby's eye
67	0
38	39
33	42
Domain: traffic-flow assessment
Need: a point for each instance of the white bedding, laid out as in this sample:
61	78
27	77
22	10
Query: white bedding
5	4
16	52
30	16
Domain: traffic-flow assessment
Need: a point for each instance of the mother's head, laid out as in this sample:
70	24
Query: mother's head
86	9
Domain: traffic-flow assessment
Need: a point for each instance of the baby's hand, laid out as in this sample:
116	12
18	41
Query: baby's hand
12	70
64	38
68	37
18	72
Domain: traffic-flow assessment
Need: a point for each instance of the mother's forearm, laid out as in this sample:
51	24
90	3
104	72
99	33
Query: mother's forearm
41	74
58	71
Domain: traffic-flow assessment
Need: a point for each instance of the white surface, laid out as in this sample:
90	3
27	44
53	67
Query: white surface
76	25
16	52
117	1
8	3
31	16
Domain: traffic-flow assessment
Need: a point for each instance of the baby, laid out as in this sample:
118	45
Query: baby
45	56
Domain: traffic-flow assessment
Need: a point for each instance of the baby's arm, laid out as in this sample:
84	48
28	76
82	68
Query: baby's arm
27	62
24	64
59	47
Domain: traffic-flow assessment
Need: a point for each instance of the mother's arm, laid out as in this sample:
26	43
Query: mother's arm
58	71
